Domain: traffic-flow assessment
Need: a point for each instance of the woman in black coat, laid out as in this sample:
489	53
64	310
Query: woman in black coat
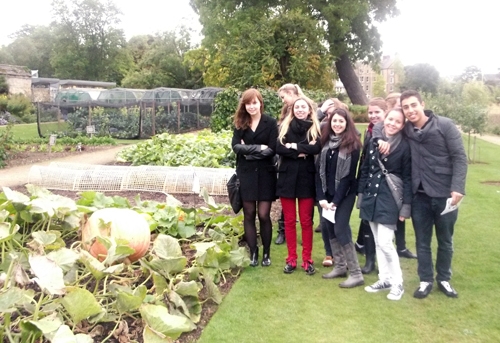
298	142
336	188
254	143
378	205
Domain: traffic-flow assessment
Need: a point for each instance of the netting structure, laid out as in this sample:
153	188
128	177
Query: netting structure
169	180
126	113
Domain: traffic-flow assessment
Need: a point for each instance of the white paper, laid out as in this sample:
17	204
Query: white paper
329	215
449	207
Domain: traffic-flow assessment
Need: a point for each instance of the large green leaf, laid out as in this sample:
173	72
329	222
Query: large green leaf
168	267
158	318
14	297
48	275
166	246
65	335
80	304
129	301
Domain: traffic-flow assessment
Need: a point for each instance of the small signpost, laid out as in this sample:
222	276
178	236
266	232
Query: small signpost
90	130
52	141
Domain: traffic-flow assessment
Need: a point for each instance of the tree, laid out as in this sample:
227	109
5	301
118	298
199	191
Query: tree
347	28
32	47
422	77
471	73
87	44
264	47
160	61
379	87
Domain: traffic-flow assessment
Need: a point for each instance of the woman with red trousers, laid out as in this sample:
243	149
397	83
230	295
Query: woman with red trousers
298	142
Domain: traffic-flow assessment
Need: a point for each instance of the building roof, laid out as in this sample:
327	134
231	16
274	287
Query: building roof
43	81
85	83
13	70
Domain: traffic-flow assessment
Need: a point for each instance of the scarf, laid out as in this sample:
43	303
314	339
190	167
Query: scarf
343	162
392	140
300	127
370	128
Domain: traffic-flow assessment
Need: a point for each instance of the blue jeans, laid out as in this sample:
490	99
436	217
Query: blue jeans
426	213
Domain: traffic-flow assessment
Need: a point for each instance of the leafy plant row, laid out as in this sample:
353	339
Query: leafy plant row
204	149
53	290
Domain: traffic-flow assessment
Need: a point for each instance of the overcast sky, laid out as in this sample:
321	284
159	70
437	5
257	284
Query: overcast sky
447	34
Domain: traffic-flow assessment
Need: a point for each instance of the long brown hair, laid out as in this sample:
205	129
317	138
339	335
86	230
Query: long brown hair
350	137
242	119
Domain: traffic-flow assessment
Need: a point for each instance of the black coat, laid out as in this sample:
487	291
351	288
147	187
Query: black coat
255	167
347	185
296	174
378	204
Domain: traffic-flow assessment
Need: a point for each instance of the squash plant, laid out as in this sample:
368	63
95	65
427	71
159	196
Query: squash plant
53	290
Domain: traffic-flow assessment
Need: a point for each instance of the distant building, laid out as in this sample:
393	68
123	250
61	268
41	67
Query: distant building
367	76
492	79
18	79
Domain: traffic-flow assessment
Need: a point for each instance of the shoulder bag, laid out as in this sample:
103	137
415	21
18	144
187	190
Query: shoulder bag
233	192
395	185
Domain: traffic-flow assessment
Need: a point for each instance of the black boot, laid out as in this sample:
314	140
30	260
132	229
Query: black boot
266	259
281	232
370	255
254	257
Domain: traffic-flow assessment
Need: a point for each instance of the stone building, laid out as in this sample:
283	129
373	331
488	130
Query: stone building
18	79
368	76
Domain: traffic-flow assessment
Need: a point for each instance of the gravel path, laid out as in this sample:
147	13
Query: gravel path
18	176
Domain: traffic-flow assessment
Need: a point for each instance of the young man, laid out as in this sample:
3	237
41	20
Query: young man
439	169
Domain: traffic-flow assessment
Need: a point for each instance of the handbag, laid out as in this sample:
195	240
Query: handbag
233	192
395	185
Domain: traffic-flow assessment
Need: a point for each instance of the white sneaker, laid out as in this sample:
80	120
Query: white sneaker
396	292
378	286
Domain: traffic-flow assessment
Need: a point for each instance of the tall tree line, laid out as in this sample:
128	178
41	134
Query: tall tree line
246	43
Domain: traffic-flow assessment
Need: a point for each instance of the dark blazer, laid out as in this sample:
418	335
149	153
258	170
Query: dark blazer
296	174
378	204
255	167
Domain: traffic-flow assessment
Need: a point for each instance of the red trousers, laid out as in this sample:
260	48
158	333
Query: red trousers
306	206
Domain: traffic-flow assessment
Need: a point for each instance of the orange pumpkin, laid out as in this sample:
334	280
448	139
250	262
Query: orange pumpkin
117	223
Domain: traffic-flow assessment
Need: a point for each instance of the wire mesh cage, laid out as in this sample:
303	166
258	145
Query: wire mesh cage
170	180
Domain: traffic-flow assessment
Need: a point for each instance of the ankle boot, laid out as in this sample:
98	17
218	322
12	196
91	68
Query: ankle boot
370	254
281	232
266	259
355	276
254	257
339	269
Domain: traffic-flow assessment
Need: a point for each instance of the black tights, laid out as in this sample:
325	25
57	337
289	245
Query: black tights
266	233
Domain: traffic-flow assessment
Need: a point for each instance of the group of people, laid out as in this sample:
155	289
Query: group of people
412	163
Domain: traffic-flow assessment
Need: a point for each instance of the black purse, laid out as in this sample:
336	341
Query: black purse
233	192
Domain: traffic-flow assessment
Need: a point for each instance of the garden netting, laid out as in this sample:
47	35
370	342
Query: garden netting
126	113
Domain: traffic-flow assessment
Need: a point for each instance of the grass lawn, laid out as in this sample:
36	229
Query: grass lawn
28	131
266	305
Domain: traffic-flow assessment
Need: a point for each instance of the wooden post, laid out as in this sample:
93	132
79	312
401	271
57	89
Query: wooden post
153	118
178	117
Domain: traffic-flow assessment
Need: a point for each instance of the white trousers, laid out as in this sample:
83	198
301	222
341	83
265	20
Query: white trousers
387	257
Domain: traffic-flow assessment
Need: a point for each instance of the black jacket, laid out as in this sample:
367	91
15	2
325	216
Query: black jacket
377	202
348	184
255	167
296	174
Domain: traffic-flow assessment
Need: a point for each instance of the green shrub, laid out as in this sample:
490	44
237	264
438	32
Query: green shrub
4	87
226	103
21	107
496	130
5	143
359	113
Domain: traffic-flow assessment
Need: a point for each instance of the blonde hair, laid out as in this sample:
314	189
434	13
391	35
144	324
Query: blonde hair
314	131
392	100
291	88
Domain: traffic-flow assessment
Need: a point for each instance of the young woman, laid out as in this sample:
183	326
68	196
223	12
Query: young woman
377	203
376	113
336	187
392	100
254	143
288	93
298	142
